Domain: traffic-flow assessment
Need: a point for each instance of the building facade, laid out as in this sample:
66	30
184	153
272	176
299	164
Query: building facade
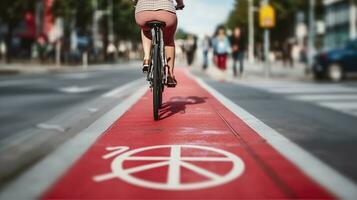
340	21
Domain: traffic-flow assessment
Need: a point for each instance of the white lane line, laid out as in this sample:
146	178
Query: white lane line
313	90
318	98
93	110
123	88
53	127
328	177
36	180
77	90
83	75
342	106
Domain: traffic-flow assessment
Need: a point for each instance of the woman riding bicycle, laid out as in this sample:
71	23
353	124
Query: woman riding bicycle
164	11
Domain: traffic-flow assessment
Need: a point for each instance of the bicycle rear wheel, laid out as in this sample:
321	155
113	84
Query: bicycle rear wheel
157	83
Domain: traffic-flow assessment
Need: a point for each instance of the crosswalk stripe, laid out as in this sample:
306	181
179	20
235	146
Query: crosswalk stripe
333	96
325	97
340	105
312	90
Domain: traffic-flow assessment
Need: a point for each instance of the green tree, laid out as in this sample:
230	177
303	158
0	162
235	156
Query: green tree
125	27
286	13
12	12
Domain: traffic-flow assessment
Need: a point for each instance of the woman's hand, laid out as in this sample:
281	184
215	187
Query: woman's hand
180	5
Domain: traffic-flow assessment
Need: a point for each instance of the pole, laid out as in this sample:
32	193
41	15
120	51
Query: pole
353	19
251	31
267	47
311	40
266	51
110	21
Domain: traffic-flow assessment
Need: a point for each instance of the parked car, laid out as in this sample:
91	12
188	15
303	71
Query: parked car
337	63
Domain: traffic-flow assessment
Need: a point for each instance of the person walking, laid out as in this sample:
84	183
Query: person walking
287	54
205	45
190	47
238	46
221	47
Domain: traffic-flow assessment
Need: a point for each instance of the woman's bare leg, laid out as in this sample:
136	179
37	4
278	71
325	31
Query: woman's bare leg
170	54
146	45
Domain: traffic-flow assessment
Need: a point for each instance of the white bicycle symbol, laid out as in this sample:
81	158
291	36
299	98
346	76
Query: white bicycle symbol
174	162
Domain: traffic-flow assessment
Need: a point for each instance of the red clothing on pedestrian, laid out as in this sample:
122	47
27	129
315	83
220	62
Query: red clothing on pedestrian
221	60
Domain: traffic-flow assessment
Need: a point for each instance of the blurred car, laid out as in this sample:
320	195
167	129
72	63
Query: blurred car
337	63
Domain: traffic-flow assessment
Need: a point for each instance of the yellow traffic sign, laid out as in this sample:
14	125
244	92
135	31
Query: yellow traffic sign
267	17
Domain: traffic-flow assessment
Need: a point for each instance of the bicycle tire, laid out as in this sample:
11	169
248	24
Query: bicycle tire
157	91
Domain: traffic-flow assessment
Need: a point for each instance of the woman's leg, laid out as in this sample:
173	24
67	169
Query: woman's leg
146	41
170	20
141	19
170	54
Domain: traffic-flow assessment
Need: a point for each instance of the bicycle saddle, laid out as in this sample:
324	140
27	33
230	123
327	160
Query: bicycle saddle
152	24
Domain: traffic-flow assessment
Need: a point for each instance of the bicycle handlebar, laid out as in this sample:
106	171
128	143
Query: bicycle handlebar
180	7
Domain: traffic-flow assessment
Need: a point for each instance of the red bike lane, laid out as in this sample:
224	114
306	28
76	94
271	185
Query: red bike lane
198	150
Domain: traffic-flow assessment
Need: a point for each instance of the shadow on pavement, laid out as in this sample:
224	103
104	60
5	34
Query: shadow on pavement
178	105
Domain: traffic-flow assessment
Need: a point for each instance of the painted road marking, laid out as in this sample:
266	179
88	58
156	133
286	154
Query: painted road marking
336	97
328	177
53	127
326	97
83	75
119	90
77	90
174	162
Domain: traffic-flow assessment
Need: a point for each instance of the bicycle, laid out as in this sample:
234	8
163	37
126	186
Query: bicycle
157	74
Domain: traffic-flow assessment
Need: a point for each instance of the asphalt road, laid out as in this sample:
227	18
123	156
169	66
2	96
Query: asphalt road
320	117
28	100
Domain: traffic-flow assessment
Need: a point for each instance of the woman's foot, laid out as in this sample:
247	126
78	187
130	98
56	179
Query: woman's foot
146	65
171	81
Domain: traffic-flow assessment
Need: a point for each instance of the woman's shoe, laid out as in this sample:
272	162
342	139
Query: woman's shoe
171	81
146	65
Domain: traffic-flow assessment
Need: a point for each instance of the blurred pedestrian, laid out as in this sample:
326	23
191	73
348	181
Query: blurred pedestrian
206	45
221	48
190	47
41	45
259	52
287	53
238	47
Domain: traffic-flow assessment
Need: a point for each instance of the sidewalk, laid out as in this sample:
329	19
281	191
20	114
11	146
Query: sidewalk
198	150
256	72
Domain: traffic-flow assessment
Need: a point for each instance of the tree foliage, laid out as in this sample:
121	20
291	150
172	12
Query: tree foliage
125	27
78	11
12	11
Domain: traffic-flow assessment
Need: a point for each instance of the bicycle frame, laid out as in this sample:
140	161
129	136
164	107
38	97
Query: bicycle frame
157	72
157	39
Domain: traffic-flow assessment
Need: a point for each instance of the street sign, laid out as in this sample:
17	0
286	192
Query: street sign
267	17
